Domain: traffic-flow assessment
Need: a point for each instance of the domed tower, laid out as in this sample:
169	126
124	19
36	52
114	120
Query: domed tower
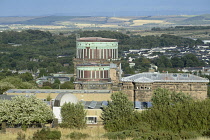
97	65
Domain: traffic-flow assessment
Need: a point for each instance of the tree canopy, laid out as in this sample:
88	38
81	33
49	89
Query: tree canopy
24	110
119	114
73	116
163	96
35	49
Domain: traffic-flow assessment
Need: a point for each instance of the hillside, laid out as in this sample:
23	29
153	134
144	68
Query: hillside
88	22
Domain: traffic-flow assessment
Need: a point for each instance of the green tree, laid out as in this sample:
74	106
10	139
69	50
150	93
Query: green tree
67	85
43	72
182	116
56	84
57	81
16	82
142	64
24	110
119	114
26	77
73	116
4	86
177	62
165	97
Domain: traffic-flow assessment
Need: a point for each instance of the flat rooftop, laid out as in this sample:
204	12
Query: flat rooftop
96	39
93	64
150	77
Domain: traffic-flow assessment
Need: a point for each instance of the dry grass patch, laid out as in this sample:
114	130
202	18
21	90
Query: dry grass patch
95	133
84	25
64	23
202	138
108	25
120	19
142	22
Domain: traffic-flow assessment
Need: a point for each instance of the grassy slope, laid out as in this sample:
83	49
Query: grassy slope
136	24
52	20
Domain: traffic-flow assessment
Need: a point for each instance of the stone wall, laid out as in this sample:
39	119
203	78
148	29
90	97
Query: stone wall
144	91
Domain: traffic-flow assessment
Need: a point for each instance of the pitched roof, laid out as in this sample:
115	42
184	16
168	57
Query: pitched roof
164	77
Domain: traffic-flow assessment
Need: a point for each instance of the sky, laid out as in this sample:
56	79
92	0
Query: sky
103	7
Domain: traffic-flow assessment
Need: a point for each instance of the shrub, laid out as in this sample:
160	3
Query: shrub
165	135
115	135
131	133
24	127
158	135
46	134
21	136
206	133
188	134
77	136
145	136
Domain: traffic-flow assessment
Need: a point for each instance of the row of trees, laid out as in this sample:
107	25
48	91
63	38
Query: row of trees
173	116
9	80
178	28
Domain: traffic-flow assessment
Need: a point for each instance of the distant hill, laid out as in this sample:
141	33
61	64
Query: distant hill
197	20
12	20
48	20
91	22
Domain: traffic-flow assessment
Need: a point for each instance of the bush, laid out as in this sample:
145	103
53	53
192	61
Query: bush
165	135
21	136
115	135
188	134
145	136
46	134
77	136
158	135
206	133
131	133
24	127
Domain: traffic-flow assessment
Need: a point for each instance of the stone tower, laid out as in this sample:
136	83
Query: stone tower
97	65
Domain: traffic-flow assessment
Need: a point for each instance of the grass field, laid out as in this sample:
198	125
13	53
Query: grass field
95	132
137	25
142	22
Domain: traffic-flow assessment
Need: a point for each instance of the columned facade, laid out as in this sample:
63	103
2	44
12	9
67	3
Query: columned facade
97	50
96	62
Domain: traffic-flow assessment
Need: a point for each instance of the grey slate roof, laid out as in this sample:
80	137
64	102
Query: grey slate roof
34	91
163	77
88	103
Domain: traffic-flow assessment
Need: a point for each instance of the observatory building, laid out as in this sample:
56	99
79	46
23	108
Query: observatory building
97	65
141	86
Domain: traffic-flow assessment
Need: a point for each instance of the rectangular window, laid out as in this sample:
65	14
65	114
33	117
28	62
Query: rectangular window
91	120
